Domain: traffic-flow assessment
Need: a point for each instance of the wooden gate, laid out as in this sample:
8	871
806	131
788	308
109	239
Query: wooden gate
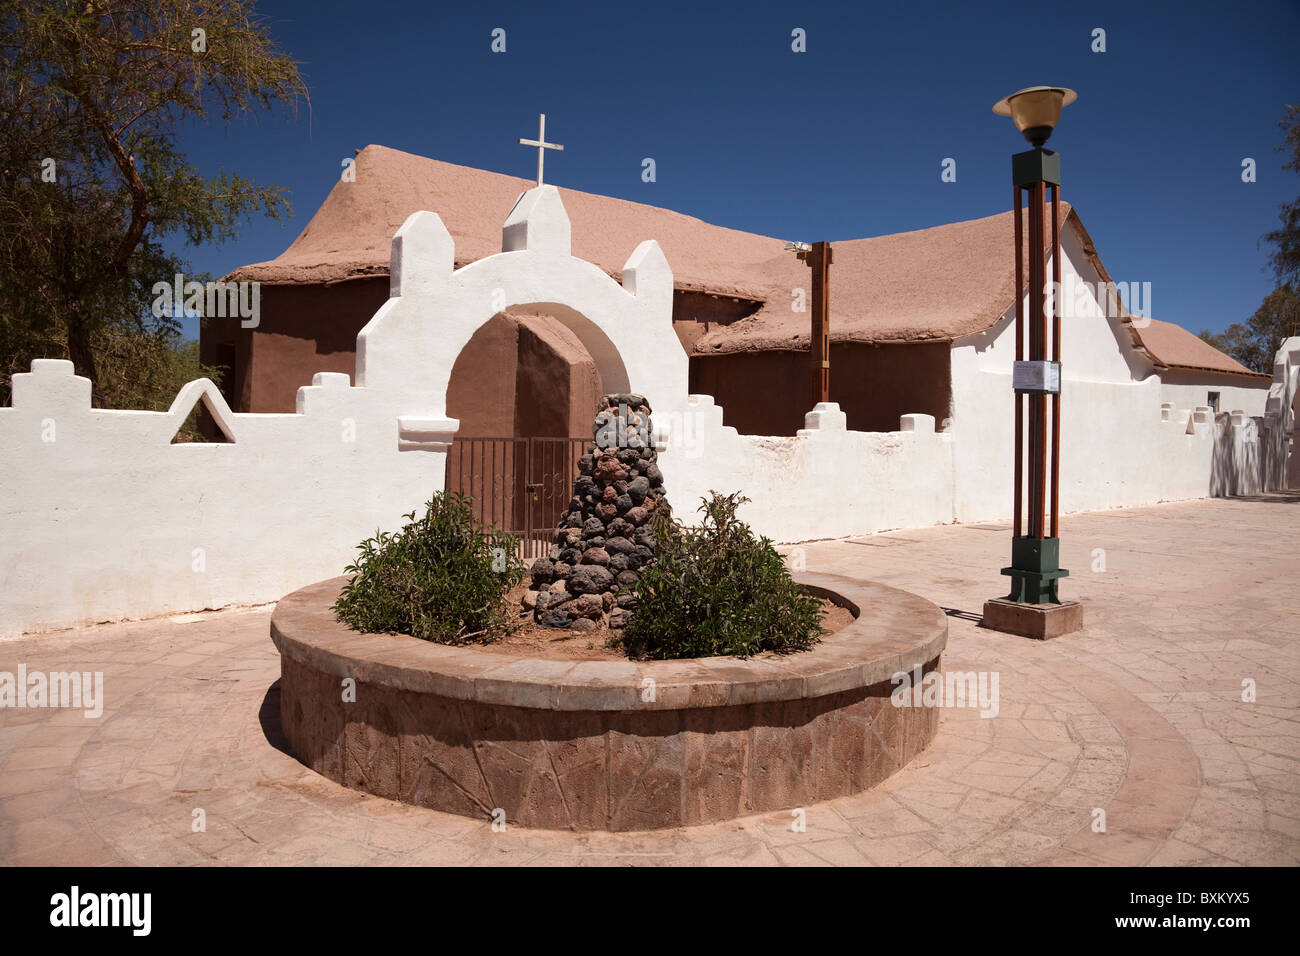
520	485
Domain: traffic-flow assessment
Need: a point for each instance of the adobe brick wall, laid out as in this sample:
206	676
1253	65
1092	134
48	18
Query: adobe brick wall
768	393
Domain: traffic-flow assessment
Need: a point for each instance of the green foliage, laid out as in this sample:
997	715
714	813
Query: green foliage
717	590
92	96
1285	257
443	577
1255	343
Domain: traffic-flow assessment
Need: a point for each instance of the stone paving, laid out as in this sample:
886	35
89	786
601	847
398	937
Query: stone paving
1140	717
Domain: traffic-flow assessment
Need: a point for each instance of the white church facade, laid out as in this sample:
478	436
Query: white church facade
105	519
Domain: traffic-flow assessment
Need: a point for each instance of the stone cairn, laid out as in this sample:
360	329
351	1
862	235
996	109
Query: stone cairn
606	535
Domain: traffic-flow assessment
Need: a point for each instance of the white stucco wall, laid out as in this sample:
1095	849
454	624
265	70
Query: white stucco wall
1190	389
1282	415
1115	448
824	482
407	351
104	519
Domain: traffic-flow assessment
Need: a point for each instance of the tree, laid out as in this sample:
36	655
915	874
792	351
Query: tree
91	96
1255	343
1285	258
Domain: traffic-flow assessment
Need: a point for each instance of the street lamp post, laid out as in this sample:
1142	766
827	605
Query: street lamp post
1034	608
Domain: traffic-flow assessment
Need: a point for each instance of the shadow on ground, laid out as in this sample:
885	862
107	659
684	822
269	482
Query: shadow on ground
268	715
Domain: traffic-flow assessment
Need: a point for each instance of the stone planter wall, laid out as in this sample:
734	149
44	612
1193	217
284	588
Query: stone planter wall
608	745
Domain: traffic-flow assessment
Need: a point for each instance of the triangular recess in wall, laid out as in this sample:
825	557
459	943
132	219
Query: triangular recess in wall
186	401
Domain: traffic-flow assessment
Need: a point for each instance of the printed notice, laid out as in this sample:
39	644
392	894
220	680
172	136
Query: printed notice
1036	376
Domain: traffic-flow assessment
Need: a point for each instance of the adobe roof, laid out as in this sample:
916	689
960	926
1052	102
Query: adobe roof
1173	346
350	235
927	285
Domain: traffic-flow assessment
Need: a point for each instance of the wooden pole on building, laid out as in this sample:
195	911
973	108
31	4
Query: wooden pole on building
819	261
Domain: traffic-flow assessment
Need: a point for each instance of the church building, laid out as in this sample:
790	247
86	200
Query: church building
899	342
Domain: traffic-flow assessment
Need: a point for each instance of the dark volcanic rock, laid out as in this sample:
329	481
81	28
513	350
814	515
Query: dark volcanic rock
550	599
589	579
554	618
588	605
605	536
543	571
619	545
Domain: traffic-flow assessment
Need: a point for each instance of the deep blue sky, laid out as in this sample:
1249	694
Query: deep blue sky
840	142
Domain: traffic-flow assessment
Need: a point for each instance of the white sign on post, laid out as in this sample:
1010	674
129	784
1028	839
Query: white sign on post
1036	377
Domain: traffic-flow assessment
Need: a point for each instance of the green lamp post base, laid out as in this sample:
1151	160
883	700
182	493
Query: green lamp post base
1035	569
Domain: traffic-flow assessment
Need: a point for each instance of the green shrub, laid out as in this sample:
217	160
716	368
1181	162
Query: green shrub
441	578
717	590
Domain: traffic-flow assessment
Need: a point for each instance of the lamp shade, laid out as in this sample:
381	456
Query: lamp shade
1035	110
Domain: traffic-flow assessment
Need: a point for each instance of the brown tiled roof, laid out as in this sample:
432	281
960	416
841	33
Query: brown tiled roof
1172	346
929	285
351	233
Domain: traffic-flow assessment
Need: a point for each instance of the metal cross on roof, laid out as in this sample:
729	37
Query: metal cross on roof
541	144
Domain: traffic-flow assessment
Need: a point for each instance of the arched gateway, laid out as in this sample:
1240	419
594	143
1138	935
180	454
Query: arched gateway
406	353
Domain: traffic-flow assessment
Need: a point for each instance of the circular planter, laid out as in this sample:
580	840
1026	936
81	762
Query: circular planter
607	745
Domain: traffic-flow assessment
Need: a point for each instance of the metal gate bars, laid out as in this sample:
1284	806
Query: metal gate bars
520	485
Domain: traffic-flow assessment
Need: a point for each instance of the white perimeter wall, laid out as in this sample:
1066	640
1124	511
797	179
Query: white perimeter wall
103	519
1119	446
1191	390
826	482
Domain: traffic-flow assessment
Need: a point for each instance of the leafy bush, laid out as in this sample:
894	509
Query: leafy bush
717	590
441	578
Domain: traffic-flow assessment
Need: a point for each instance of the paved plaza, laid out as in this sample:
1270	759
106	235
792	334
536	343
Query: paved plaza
1137	721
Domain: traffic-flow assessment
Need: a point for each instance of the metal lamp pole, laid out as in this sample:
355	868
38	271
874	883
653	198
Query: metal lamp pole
1036	378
